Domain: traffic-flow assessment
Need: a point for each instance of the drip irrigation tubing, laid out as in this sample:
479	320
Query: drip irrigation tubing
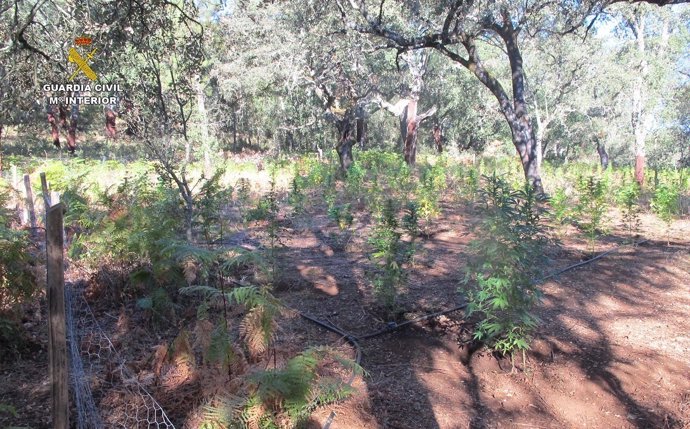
392	326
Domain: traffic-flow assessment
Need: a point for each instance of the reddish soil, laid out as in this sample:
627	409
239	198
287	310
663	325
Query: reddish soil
612	351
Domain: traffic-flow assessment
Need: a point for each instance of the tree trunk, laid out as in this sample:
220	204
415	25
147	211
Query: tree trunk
526	145
62	112
1	148
603	155
362	129
110	123
438	138
410	133
72	133
639	169
640	120
54	129
203	117
234	131
516	110
345	143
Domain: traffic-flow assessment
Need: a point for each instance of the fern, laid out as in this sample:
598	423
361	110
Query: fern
258	325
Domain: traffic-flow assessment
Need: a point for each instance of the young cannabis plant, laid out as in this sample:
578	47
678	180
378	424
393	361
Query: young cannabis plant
559	206
390	253
592	207
297	198
666	203
629	199
505	258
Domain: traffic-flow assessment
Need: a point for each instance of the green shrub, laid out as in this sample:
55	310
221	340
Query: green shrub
560	205
629	199
592	206
209	203
505	259
666	203
17	282
389	253
282	397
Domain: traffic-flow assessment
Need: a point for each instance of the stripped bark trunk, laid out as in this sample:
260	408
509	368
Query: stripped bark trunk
410	132
438	137
410	121
110	123
640	120
54	129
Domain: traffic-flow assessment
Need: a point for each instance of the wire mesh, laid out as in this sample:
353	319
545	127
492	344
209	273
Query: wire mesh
106	393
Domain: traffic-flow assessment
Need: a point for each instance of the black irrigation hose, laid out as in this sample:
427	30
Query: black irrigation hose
579	264
392	326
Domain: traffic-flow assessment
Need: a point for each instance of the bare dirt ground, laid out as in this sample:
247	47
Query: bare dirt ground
612	351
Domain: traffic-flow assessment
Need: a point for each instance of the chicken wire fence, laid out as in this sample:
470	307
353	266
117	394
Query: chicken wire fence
105	392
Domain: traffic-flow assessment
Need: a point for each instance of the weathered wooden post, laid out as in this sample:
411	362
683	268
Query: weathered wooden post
57	342
46	193
30	204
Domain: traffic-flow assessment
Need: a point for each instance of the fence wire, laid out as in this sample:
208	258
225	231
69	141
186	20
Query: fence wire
106	393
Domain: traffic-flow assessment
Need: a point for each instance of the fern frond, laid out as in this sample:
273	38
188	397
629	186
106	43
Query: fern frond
208	292
224	412
239	258
257	329
181	350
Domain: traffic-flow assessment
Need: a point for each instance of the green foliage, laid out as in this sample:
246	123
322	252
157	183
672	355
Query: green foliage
283	397
297	198
141	218
220	349
390	254
209	203
354	180
471	183
560	205
629	199
410	220
506	255
432	184
160	306
243	190
17	282
258	325
341	214
666	203
592	206
8	409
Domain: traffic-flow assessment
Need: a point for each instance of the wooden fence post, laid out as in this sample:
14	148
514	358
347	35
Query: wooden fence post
57	343
30	204
46	193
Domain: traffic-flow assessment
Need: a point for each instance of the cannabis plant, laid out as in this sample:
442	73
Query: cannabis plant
559	205
629	199
592	206
390	254
666	204
505	258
